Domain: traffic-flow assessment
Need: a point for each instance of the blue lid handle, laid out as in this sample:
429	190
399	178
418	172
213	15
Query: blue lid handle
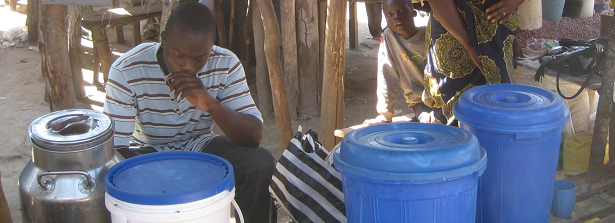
511	99
410	140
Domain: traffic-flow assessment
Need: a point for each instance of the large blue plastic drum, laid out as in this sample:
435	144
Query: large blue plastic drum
410	172
520	127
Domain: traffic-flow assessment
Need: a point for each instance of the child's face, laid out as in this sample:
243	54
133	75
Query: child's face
400	17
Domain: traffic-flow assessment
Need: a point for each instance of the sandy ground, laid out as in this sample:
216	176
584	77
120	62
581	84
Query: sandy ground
22	98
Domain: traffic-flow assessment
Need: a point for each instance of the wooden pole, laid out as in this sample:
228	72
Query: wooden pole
222	32
335	52
101	43
612	136
289	40
167	8
276	75
308	56
603	113
119	33
136	32
32	21
248	36
353	27
5	213
231	25
322	22
74	49
263	85
56	65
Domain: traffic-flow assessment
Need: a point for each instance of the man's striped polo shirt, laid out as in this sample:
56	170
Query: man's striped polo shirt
145	114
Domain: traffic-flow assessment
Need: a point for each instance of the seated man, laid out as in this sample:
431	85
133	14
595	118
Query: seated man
400	63
166	96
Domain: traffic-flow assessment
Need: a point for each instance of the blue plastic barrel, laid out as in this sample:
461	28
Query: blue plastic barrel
520	127
410	172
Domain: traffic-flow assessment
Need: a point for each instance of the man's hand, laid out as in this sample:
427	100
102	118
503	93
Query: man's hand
502	11
190	87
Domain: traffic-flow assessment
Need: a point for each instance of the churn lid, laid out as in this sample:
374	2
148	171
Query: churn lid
70	130
409	152
511	108
166	178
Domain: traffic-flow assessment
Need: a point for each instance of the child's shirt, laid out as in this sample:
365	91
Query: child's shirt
400	64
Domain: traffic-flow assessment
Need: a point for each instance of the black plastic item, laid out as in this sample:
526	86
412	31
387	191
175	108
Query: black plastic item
578	58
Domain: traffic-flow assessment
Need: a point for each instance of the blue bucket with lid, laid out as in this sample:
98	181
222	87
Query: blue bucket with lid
410	172
177	185
520	127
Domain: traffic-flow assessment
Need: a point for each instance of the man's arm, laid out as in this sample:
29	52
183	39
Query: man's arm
233	108
120	106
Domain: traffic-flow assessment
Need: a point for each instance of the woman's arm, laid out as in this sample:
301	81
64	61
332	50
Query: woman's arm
449	17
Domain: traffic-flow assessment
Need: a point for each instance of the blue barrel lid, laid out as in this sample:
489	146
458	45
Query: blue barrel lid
409	151
511	108
166	178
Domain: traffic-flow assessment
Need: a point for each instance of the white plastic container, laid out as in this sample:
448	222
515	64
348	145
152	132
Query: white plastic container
213	209
178	187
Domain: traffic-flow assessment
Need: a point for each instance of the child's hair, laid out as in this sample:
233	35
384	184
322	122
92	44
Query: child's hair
408	3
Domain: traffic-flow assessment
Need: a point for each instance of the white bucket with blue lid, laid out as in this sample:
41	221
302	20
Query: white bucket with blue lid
176	186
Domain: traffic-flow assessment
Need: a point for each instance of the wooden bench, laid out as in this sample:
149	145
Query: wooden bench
342	132
98	20
595	196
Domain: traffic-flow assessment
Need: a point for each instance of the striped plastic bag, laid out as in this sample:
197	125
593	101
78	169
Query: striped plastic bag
307	188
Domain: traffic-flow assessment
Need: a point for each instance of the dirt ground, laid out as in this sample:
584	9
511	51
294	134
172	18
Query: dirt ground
22	99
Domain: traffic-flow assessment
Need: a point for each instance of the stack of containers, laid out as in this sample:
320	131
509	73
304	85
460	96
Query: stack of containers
520	127
410	172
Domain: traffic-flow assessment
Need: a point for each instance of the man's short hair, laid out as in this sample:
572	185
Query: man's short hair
192	16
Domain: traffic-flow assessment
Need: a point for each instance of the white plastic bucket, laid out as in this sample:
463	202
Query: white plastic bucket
212	209
165	187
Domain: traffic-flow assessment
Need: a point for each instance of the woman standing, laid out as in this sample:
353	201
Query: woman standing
470	43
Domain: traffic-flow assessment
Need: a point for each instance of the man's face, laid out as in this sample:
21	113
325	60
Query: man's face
186	51
399	16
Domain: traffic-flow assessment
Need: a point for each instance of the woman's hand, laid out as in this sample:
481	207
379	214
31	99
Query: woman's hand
502	11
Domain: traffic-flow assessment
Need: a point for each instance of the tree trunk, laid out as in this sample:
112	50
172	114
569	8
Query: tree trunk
56	65
276	75
32	21
333	77
308	54
74	49
263	86
289	39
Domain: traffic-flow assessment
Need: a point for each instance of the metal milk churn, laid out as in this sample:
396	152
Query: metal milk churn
72	150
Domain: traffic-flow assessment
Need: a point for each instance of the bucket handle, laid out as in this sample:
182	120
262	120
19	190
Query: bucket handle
46	185
236	206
